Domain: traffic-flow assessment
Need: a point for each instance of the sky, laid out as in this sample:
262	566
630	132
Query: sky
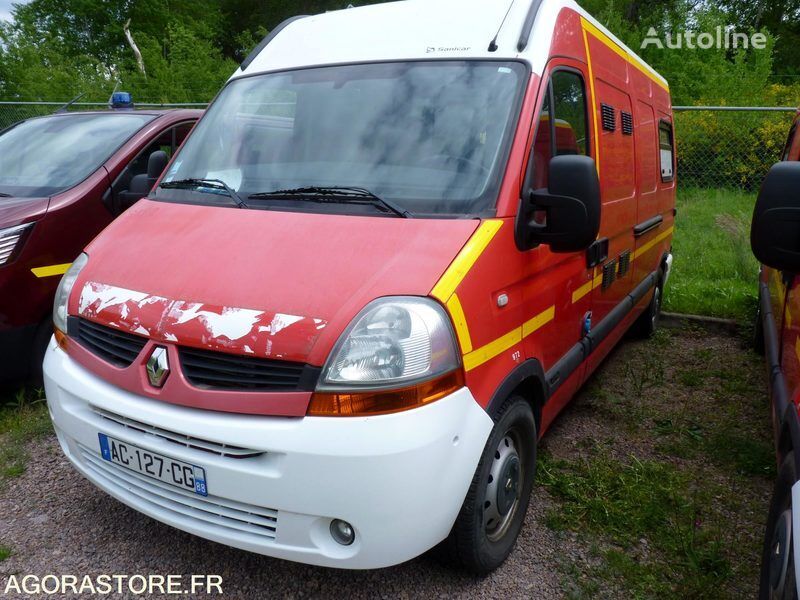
5	8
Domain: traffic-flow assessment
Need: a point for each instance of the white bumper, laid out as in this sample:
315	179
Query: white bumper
398	479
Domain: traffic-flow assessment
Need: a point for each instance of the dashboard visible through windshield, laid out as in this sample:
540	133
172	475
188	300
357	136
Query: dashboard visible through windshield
429	138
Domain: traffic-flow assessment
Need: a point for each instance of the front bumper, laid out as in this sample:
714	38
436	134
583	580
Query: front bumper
398	479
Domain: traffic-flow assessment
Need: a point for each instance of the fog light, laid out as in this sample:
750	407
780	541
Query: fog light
342	532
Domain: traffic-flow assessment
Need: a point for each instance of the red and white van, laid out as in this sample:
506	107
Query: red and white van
397	243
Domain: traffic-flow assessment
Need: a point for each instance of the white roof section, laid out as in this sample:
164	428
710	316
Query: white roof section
417	29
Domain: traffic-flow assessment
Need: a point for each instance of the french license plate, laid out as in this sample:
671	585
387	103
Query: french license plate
174	472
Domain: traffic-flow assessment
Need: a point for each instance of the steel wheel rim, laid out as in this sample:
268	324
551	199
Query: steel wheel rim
504	487
656	307
780	549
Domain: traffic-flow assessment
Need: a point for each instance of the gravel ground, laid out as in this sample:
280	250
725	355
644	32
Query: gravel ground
56	522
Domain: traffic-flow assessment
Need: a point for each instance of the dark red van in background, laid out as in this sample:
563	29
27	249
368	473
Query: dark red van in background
63	178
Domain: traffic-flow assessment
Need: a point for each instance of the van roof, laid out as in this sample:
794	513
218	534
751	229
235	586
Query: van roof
423	29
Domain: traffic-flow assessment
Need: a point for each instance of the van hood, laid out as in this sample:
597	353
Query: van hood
263	283
16	211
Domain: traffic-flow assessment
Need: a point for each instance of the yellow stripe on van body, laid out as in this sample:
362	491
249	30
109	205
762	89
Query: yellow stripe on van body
51	271
537	322
460	323
632	59
466	259
493	349
584	290
653	243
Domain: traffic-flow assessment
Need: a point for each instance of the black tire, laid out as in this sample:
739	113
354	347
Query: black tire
758	334
777	561
43	334
647	324
476	543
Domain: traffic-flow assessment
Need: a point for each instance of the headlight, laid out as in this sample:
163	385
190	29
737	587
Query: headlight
396	354
11	240
63	292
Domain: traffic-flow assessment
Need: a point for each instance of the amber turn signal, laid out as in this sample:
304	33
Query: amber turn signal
61	338
381	402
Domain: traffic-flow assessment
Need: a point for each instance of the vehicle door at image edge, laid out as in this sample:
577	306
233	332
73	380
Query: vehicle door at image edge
775	248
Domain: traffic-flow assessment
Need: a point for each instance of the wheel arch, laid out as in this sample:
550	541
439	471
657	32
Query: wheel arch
528	380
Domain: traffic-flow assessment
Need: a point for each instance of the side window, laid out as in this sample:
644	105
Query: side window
569	103
666	142
563	124
134	182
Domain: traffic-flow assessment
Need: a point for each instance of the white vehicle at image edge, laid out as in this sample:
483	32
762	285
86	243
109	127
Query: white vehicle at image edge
370	280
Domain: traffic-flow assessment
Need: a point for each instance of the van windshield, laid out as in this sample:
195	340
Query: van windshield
429	137
45	156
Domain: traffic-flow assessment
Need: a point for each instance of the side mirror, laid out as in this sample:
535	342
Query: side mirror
566	215
775	234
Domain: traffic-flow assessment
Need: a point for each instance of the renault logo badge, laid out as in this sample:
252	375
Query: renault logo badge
158	367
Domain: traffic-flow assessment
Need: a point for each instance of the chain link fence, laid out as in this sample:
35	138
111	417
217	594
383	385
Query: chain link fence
718	147
729	147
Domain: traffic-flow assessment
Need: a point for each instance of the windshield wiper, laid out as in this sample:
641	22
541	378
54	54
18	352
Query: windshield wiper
217	184
335	194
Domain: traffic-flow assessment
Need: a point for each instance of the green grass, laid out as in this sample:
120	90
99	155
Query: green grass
640	504
23	417
5	553
715	273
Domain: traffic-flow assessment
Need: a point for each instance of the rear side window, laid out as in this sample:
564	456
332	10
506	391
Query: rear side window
563	124
666	142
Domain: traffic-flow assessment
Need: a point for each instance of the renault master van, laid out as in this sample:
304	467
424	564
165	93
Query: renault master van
388	255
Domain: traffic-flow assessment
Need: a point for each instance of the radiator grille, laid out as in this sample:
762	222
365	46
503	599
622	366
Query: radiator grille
216	370
177	438
117	347
211	510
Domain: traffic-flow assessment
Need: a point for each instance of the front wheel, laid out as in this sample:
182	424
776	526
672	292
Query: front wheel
778	561
494	510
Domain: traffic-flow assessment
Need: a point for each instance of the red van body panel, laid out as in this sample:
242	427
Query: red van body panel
64	225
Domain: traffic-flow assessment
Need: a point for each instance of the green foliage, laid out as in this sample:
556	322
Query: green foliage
732	147
23	416
715	273
56	49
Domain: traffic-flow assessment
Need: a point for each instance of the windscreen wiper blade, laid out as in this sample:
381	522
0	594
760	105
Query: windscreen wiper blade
335	194
208	183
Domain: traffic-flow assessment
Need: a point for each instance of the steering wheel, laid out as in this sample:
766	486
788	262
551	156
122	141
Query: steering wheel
446	158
